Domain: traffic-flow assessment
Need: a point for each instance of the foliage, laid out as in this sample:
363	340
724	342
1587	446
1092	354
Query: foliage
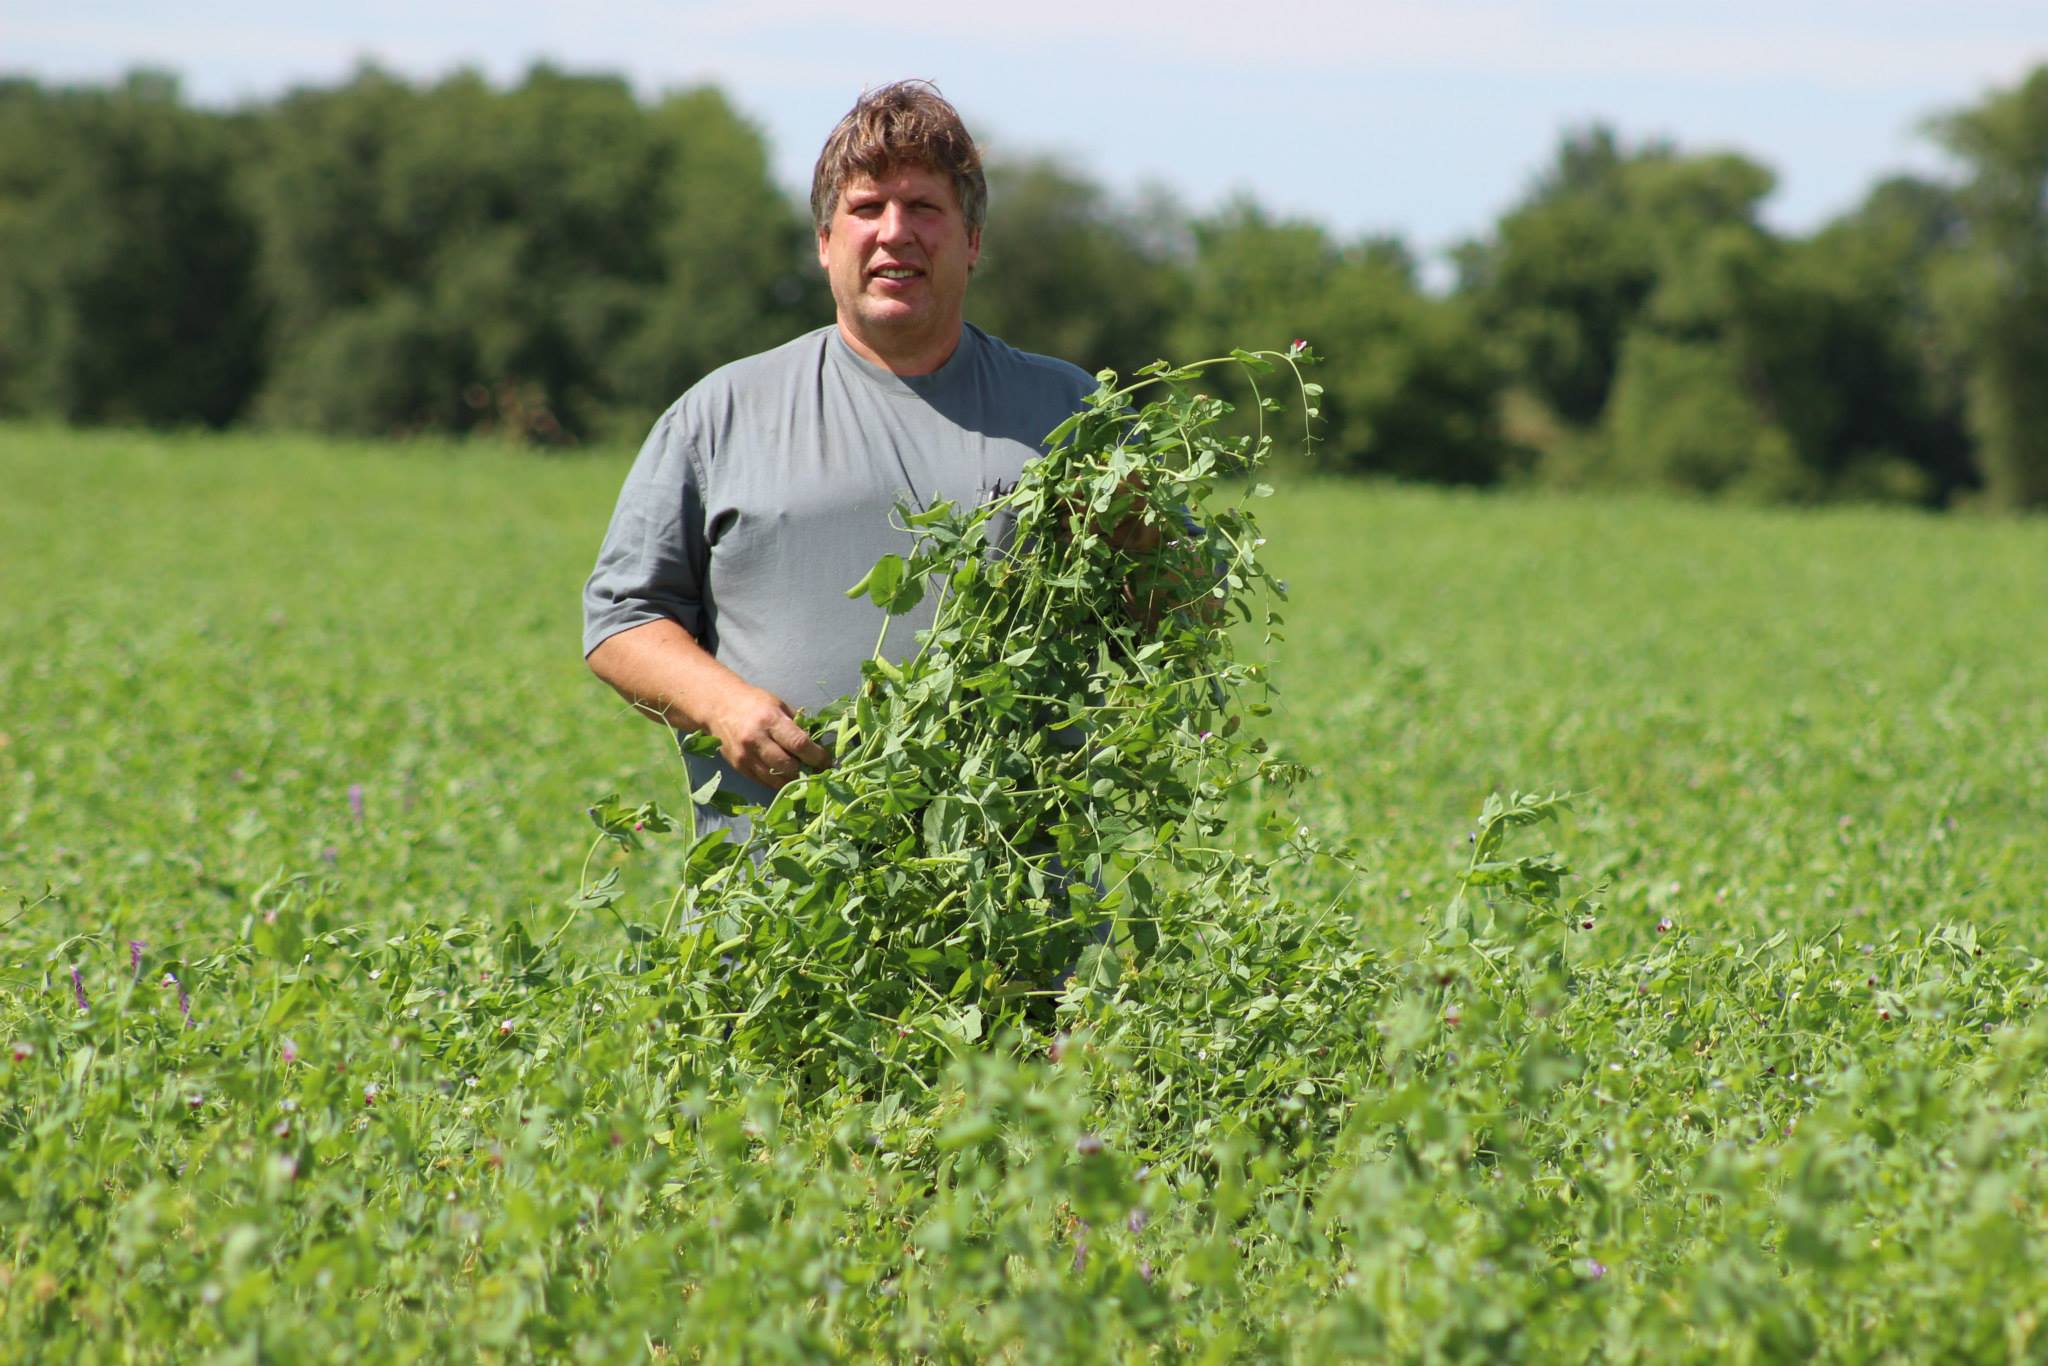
1662	336
1567	273
327	763
456	257
127	289
1037	794
1412	384
1994	288
551	262
1067	271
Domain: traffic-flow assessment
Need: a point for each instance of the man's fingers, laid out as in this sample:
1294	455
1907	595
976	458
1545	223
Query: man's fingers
798	746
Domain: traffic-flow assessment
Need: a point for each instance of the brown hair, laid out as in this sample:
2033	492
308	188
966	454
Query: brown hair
904	123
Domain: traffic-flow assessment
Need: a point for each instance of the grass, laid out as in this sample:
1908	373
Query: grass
1803	1118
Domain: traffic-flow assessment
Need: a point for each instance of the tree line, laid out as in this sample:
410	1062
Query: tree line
555	261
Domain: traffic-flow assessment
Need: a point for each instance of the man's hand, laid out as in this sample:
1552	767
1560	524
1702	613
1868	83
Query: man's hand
667	676
758	735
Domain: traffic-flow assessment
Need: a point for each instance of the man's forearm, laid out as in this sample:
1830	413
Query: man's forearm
667	676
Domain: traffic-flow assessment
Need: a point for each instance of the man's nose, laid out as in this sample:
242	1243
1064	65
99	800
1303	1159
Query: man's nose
894	225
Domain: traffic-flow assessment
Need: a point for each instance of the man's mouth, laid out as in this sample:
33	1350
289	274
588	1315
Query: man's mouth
898	273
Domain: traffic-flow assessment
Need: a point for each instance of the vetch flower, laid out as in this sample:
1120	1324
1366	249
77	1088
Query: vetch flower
370	1094
1594	1270
1664	925
288	1051
135	949
24	1051
170	979
1088	1145
78	988
355	802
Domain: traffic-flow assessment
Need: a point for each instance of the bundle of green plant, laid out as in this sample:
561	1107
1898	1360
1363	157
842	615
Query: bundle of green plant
1034	803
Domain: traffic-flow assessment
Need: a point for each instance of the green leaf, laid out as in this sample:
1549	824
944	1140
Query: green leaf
882	582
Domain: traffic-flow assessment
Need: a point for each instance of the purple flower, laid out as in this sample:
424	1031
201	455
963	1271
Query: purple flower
1594	1270
355	802
329	854
135	948
184	999
1664	925
1137	1221
1088	1145
1145	1271
288	1050
78	989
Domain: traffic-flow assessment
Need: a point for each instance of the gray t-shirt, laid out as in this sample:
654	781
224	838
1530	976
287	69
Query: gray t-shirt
766	491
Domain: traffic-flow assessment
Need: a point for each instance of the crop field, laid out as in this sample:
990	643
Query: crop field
329	1033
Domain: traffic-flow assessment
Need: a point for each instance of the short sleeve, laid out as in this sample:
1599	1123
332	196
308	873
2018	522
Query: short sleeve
653	561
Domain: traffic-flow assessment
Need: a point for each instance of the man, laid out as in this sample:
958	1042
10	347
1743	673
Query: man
718	601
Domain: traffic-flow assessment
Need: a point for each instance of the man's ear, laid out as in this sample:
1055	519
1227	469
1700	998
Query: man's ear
824	240
973	247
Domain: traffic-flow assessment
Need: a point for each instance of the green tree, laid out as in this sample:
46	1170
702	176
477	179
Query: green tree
1066	272
1412	389
1993	286
736	261
127	290
544	262
1887	366
1567	272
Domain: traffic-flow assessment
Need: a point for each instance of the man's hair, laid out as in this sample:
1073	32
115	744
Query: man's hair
905	123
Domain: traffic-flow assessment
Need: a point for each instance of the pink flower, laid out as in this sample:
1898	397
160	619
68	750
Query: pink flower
24	1051
288	1051
184	998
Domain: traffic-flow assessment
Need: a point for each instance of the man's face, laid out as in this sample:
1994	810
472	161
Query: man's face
897	253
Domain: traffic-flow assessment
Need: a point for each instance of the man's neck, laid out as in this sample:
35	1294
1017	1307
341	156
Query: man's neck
918	359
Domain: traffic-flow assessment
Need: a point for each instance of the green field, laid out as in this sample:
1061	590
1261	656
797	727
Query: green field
308	724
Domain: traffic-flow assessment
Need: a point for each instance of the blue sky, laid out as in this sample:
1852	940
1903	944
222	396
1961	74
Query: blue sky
1424	120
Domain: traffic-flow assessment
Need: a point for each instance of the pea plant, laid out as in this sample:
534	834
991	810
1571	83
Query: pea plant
1034	804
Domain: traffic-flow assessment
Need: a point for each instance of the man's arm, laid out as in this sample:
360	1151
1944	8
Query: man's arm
661	669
